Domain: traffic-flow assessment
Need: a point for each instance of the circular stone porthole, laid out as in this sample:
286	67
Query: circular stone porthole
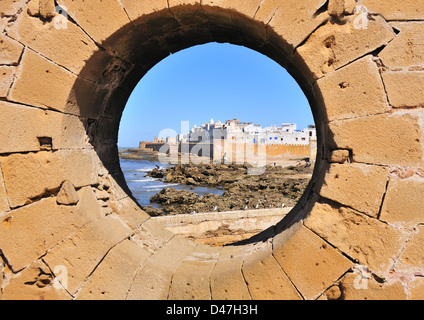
223	180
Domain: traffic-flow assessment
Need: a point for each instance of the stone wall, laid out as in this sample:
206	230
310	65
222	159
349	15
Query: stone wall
69	227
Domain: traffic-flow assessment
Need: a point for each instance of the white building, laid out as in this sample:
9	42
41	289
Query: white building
247	132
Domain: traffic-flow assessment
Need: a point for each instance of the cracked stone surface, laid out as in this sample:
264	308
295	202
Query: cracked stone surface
68	226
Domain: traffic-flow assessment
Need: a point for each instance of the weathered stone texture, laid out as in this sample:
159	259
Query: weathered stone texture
41	83
130	212
339	156
191	281
4	200
99	18
154	277
65	131
63	201
353	91
390	139
395	10
404	89
67	194
407	49
84	250
265	278
367	240
292	20
355	185
113	277
309	262
38	35
7	75
10	51
11	7
28	176
355	286
28	232
400	205
34	283
411	262
336	8
136	11
332	46
227	280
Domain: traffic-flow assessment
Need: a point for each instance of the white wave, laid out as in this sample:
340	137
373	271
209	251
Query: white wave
158	187
144	169
142	180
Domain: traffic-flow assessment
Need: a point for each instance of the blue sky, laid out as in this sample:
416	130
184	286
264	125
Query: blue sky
219	81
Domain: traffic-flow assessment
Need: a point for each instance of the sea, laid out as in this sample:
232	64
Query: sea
143	187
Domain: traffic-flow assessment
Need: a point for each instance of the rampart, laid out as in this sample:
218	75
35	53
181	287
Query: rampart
69	226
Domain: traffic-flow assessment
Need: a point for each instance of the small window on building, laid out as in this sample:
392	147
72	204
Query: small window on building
303	139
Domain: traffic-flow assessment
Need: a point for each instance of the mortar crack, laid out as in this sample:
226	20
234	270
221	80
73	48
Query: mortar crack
383	198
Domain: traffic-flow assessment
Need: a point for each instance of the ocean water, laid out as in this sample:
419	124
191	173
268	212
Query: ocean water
143	186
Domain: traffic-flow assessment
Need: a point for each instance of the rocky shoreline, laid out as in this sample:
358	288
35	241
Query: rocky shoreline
275	188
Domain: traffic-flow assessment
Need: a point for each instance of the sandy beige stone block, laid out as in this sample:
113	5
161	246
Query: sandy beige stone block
136	11
372	243
57	43
336	7
11	7
356	185
47	8
28	232
191	281
417	290
7	75
265	278
41	83
246	7
65	131
405	88
113	277
310	262
353	91
333	46
36	282
389	139
154	277
82	252
4	201
395	10
28	176
402	204
407	49
292	20
339	156
354	286
411	262
10	51
130	212
99	18
67	194
227	280
152	228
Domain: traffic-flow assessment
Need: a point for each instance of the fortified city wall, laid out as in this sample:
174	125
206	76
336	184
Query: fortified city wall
69	227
